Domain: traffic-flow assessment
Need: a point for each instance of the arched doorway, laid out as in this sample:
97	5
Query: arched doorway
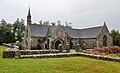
38	46
57	44
104	40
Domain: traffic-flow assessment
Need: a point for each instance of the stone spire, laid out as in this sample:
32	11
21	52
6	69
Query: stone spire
29	17
104	23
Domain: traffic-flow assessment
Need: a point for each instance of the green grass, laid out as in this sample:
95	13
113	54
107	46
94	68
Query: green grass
112	55
57	65
115	55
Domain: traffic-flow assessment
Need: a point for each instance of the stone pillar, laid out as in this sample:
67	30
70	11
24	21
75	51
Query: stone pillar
97	44
42	46
49	44
68	48
29	44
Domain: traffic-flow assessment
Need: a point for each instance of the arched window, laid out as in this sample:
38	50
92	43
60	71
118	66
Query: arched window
104	40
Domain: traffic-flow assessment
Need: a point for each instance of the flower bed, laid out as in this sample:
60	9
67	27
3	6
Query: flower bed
107	50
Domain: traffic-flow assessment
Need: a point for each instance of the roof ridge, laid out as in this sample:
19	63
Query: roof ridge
90	27
85	28
40	25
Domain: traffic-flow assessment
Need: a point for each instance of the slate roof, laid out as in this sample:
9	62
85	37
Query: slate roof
90	32
38	30
43	31
73	33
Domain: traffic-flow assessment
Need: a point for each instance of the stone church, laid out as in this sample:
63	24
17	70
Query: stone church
39	37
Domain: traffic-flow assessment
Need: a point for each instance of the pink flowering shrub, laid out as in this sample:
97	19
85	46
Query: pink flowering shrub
107	50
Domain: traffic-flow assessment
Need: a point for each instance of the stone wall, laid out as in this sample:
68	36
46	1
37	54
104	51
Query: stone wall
104	32
35	41
74	41
27	36
58	34
87	43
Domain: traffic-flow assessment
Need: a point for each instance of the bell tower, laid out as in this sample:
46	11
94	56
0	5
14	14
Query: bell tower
28	30
29	17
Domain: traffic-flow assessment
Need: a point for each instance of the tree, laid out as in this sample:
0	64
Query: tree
117	40
116	37
6	34
8	31
3	22
1	40
18	29
9	35
114	33
68	25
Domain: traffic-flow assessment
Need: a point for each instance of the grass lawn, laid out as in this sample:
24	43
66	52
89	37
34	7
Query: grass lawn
57	65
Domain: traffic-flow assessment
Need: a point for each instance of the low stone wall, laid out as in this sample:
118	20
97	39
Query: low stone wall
29	52
57	55
108	58
10	53
71	54
9	44
53	54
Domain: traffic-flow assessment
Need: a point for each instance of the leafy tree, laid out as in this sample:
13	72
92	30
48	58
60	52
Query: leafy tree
3	22
117	40
114	33
8	38
18	29
68	25
6	34
1	40
116	37
8	31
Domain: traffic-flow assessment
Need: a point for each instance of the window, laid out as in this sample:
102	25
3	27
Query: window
104	40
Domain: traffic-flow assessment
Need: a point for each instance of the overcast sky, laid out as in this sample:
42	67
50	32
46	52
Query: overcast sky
81	13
